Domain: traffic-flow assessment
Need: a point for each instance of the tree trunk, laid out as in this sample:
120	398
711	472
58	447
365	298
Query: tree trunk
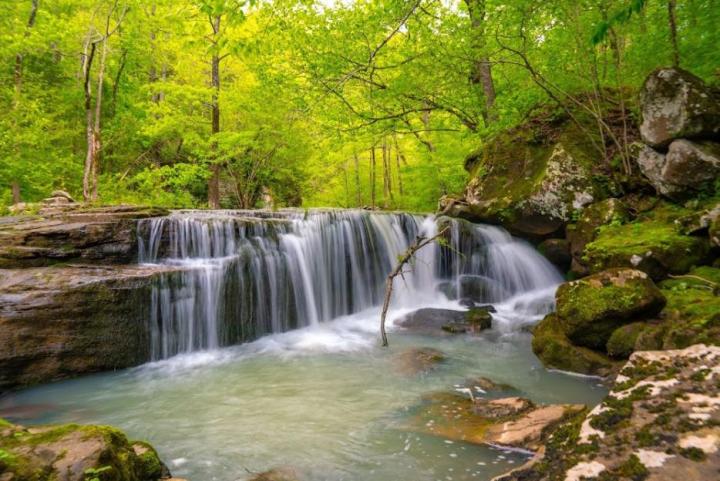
19	55
214	182
358	193
372	177
89	127
16	198
397	166
481	68
672	22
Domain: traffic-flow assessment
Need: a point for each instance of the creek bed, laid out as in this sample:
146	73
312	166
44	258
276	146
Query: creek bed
325	400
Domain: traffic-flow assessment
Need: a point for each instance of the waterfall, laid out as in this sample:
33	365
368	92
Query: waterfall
237	275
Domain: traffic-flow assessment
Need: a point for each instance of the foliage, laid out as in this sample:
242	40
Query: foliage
311	91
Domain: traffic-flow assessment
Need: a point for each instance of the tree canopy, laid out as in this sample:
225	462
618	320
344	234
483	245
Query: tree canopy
245	103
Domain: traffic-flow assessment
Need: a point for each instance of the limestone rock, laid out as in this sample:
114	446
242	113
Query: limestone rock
437	321
62	193
59	322
659	423
687	168
676	104
276	474
74	453
590	309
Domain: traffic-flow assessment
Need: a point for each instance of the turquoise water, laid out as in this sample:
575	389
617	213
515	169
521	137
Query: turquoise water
326	401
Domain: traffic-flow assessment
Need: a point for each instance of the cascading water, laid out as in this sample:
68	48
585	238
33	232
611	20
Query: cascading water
242	274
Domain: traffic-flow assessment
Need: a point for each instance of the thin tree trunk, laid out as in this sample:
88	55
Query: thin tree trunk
214	182
397	167
373	162
19	55
358	193
347	185
481	68
16	193
97	147
89	129
672	22
386	175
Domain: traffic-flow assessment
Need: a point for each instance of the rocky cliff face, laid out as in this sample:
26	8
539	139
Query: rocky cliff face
81	313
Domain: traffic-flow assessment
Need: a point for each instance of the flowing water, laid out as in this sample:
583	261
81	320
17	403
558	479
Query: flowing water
315	391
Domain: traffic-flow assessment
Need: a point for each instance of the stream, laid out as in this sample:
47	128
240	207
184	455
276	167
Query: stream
309	387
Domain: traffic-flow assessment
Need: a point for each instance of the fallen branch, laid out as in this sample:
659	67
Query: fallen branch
419	242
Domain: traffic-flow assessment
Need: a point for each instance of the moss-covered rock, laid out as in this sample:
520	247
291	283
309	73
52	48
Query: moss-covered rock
622	341
652	245
590	309
532	178
75	453
555	350
585	230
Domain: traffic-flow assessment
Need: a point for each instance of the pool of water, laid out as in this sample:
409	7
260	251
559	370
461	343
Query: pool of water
326	401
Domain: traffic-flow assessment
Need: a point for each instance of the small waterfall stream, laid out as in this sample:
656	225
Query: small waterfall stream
243	274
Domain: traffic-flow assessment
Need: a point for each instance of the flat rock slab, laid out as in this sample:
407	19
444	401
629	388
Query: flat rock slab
417	360
447	321
511	421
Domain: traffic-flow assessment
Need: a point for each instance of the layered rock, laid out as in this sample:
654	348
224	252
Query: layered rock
438	321
63	321
75	453
659	422
100	235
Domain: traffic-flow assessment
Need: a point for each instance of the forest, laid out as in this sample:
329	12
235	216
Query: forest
374	103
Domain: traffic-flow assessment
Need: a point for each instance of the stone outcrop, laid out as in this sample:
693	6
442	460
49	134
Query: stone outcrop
62	321
659	423
687	168
100	235
75	453
530	179
677	104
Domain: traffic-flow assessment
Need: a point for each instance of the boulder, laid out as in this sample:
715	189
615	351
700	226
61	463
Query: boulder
622	341
676	104
276	474
530	179
659	423
654	246
437	321
510	421
687	168
557	251
556	351
75	453
590	309
585	230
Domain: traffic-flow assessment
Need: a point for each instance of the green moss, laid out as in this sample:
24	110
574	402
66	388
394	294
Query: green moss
633	469
622	341
693	454
150	464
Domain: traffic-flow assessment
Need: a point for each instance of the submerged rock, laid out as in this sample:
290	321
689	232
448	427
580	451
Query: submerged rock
659	423
510	421
417	360
276	474
676	104
75	453
590	309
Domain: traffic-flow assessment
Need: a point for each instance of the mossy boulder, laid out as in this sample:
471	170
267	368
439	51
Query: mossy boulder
531	179
555	350
75	453
622	341
653	246
585	230
590	309
557	251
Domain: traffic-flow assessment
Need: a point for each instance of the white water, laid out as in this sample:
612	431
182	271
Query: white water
249	274
315	391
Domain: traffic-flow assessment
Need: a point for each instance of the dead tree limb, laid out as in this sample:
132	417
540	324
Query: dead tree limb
419	242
